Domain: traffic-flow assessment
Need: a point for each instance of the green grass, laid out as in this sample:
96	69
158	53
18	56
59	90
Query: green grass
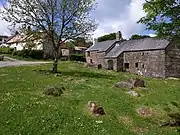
25	110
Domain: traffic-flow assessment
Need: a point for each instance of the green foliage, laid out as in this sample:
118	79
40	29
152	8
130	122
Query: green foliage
70	44
110	36
6	50
163	16
133	37
34	54
23	53
79	41
64	58
89	44
78	57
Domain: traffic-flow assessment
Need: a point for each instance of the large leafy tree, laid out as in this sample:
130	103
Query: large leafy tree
133	37
162	16
82	42
110	36
60	20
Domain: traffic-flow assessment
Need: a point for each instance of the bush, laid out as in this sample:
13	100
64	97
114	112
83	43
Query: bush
23	53
14	53
34	54
6	50
78	57
54	91
64	58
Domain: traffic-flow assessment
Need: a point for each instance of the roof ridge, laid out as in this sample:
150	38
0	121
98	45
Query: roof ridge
138	45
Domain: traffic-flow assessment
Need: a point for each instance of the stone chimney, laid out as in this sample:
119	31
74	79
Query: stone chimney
118	36
95	41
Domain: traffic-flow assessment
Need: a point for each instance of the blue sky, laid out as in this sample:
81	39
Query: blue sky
2	1
112	16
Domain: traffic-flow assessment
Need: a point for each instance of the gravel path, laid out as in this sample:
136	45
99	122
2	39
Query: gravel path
14	62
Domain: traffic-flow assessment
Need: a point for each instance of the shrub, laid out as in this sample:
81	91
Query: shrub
34	54
64	58
6	50
78	57
23	53
14	53
54	91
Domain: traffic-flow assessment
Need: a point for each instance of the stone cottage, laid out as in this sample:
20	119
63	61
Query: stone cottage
148	57
95	55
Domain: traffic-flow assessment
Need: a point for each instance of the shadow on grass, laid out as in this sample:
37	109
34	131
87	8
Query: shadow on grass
76	74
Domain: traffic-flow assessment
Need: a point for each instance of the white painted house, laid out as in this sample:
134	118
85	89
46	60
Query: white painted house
19	41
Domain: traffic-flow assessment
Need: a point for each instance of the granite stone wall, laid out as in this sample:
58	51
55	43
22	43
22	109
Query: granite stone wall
154	63
147	63
172	64
96	58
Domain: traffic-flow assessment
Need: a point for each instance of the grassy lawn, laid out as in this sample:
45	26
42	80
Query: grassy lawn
25	110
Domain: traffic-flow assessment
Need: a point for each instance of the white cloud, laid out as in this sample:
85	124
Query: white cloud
125	20
112	16
4	25
4	28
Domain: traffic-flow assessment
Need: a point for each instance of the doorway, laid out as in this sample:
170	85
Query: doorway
110	64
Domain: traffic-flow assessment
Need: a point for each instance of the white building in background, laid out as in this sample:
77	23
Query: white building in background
19	41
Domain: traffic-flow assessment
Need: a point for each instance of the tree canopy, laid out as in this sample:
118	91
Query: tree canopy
61	20
79	41
138	37
162	16
110	36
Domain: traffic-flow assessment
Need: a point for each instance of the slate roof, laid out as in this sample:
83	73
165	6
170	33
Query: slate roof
101	46
138	45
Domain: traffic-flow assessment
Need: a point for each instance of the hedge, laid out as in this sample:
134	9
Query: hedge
6	50
34	54
78	57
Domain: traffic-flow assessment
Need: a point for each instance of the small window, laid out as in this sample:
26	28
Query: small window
136	65
126	65
91	61
1	39
88	54
142	65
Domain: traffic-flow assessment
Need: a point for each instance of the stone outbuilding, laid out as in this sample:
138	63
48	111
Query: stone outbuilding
95	55
149	57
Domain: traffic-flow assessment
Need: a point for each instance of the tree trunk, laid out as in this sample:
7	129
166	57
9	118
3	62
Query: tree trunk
55	62
55	65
